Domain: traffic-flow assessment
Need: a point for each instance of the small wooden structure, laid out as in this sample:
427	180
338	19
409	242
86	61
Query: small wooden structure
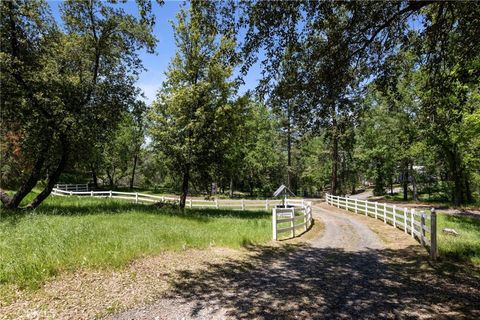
283	190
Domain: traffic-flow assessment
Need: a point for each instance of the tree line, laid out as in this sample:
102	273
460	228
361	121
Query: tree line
351	94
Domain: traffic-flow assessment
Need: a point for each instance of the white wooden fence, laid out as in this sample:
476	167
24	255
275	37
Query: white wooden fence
137	197
295	218
419	225
72	187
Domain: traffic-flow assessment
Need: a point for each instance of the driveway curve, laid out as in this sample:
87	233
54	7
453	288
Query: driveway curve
347	273
344	232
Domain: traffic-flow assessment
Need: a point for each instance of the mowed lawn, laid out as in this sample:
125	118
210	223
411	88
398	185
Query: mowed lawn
466	246
67	233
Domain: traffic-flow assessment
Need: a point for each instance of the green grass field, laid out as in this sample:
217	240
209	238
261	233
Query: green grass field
466	246
70	232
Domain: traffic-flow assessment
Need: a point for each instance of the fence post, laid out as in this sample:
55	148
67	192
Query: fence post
216	203
305	217
405	220
356	204
326	197
412	222
274	223
422	230
266	205
366	208
433	234
190	203
136	197
110	193
243	205
385	213
71	193
292	223
91	193
394	216
376	210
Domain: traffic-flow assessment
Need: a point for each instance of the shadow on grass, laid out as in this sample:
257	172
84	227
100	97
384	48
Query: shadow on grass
302	282
107	206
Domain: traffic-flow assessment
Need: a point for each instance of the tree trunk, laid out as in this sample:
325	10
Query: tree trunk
231	188
14	201
94	175
53	177
186	178
391	186
405	183
135	159
468	189
334	160
414	183
111	177
289	150
456	172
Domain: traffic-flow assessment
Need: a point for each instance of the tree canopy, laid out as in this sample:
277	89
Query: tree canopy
350	95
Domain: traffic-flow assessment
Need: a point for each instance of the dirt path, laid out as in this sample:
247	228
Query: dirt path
347	273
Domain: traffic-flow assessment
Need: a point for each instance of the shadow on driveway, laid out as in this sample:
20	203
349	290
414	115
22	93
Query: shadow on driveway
302	282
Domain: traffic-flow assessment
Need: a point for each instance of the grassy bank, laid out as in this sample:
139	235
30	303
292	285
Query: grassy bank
68	233
466	246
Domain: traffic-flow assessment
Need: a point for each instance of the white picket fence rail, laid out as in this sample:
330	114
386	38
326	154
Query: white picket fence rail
419	225
286	219
72	187
137	197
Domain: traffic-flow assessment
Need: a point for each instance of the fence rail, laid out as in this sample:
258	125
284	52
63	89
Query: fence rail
297	214
419	225
72	187
137	197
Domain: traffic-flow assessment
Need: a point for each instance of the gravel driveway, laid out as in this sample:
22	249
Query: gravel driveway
347	273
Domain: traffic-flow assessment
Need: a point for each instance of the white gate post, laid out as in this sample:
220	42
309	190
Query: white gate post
216	203
405	219
243	206
394	216
366	208
356	210
110	193
422	230
384	213
292	222
376	210
136	197
433	234
305	217
266	205
412	222
274	223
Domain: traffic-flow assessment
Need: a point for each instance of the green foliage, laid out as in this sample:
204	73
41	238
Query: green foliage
191	114
71	81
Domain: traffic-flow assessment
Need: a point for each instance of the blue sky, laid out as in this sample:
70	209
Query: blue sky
156	64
